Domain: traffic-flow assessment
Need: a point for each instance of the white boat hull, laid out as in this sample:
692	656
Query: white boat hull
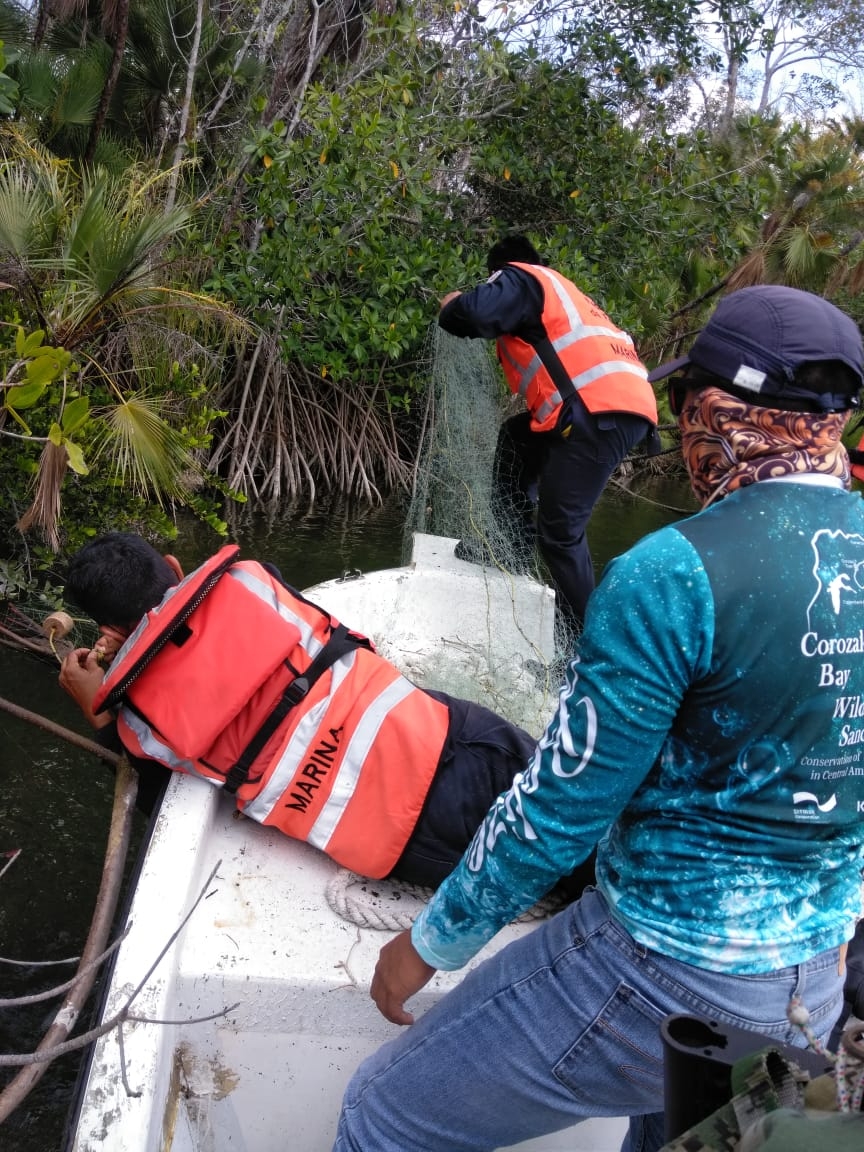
286	975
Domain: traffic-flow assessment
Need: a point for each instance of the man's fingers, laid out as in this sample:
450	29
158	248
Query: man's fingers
398	1015
390	1004
77	658
399	974
393	1010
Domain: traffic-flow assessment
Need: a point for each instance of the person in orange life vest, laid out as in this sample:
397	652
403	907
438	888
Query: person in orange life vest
588	404
390	780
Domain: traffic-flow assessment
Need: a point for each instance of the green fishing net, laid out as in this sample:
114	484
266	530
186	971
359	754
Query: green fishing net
454	497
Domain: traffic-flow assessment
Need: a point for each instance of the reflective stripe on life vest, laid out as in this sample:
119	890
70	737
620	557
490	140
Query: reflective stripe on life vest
349	767
360	747
267	591
599	358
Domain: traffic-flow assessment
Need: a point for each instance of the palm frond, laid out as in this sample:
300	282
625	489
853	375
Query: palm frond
144	450
113	154
112	241
129	250
30	204
78	92
749	272
37	81
804	257
108	255
44	512
15	27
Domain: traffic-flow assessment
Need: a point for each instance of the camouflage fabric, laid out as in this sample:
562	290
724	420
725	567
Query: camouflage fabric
761	1083
790	1131
768	1113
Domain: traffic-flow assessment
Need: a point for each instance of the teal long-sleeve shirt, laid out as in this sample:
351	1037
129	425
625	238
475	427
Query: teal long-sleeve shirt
708	737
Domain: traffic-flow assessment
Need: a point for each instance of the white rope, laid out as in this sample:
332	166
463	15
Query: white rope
391	905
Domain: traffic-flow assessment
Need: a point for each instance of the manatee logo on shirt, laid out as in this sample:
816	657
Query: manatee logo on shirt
838	569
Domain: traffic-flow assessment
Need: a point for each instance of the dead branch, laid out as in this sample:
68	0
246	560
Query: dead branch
24	633
182	143
45	1053
34	1059
59	730
11	856
51	993
712	291
37	963
125	791
13	640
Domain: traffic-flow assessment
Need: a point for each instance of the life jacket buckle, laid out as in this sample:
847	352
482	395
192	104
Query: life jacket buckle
296	690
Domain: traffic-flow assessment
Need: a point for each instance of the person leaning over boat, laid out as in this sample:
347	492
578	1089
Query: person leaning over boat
588	403
709	734
232	675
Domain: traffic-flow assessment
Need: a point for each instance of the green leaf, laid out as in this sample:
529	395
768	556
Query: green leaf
75	413
22	424
31	345
76	458
44	369
55	434
25	395
147	452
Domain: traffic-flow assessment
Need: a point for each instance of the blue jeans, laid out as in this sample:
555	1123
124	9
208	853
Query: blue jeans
561	1025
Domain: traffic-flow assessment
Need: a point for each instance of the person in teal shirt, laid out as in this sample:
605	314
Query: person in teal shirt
709	740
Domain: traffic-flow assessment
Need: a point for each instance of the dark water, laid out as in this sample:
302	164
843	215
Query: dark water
55	801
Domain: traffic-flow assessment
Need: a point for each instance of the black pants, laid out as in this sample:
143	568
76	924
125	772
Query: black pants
480	757
564	471
482	754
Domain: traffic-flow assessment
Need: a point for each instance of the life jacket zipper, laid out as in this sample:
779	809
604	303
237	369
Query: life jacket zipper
119	690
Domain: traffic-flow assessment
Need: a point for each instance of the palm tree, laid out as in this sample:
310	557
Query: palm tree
102	333
103	81
115	25
813	232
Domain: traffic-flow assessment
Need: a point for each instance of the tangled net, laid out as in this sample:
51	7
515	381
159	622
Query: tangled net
455	497
33	627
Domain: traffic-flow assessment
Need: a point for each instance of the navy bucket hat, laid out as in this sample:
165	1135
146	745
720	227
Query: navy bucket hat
757	337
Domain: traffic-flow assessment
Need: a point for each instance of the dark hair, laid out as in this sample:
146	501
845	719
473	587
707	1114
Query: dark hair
117	578
510	249
815	386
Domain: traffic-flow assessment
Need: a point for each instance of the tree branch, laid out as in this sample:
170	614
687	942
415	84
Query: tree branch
125	791
59	730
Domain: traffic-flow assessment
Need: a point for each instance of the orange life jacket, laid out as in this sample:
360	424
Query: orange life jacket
585	348
236	679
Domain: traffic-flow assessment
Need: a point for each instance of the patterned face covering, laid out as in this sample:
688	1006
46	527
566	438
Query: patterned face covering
728	443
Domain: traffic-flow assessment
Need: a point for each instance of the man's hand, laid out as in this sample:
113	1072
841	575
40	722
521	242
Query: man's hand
450	296
81	676
110	641
399	973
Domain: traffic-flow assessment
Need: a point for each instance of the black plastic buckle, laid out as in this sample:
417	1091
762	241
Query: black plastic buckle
236	776
296	690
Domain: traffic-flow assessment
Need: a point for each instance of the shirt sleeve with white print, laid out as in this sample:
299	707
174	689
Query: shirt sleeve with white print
648	635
